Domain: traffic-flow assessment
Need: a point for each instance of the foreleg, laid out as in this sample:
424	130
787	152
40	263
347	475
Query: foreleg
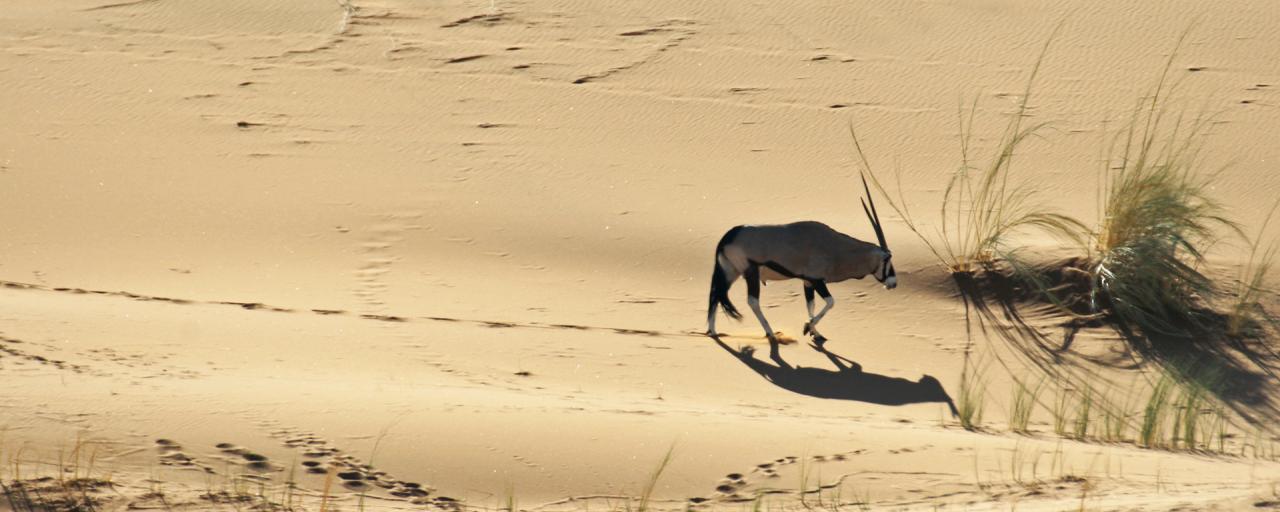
812	327
808	301
752	276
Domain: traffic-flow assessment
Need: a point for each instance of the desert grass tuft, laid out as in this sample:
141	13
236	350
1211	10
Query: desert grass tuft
1157	219
1217	429
981	206
1023	404
1245	316
973	390
647	494
1115	419
1084	410
1153	414
325	492
510	505
1060	404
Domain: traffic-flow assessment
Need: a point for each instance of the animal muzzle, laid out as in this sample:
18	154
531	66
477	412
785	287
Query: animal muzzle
891	283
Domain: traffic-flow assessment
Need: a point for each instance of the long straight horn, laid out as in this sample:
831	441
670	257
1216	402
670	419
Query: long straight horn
872	215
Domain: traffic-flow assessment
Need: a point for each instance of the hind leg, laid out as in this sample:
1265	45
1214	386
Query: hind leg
711	319
730	277
812	326
808	304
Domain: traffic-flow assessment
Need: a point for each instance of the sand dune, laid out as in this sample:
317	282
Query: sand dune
412	253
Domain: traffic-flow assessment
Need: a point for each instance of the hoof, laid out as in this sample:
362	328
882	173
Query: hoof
806	328
819	339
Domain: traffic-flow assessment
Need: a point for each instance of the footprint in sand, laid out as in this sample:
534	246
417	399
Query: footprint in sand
354	474
314	467
167	445
252	460
175	458
171	454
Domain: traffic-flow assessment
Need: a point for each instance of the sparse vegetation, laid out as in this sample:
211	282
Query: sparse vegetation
1060	404
973	390
1245	317
1023	404
1115	419
1157	220
1153	414
647	494
981	207
1083	410
1141	272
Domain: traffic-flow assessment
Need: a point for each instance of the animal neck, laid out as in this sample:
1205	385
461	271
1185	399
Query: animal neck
877	264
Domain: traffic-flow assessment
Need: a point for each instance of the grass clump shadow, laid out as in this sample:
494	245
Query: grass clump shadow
1140	271
1246	317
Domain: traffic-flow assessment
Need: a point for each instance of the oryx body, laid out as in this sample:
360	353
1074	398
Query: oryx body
809	251
806	250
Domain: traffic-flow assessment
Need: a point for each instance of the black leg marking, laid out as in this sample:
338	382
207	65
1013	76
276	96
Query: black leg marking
821	287
753	291
808	303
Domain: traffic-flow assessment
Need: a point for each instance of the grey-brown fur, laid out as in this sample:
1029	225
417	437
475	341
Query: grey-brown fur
809	251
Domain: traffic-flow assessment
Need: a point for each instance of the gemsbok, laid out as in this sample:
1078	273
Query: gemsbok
807	250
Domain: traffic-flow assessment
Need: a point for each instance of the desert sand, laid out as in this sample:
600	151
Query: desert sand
459	250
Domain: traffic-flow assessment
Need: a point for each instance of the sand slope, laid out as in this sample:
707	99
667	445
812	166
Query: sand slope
468	244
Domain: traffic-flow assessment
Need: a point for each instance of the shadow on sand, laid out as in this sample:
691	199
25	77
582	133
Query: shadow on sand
846	382
1239	372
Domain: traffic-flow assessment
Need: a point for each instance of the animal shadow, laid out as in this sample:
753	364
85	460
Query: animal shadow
846	382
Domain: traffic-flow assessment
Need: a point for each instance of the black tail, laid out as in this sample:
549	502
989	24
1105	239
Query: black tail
720	279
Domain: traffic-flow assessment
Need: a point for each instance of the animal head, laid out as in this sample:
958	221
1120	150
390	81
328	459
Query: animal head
884	272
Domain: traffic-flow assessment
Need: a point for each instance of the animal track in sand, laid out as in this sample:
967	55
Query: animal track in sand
466	58
683	31
487	20
243	456
731	487
355	475
378	255
117	5
171	454
7	346
369	288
